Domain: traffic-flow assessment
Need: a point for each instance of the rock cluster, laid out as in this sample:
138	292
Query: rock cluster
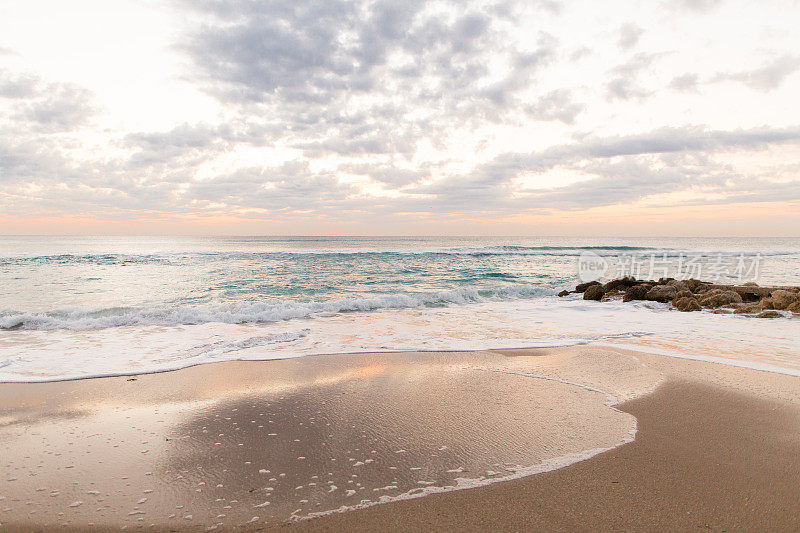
695	295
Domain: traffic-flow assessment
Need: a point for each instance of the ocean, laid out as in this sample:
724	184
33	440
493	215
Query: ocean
76	307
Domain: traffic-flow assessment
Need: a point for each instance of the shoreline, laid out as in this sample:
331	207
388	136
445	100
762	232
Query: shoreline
593	368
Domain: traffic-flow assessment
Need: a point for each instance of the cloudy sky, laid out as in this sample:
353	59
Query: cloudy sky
670	117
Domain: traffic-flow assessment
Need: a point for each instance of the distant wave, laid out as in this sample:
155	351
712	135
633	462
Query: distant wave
253	311
485	251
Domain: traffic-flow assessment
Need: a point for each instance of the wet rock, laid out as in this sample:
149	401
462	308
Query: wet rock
718	297
620	283
679	285
594	292
612	295
747	308
687	304
661	293
794	308
781	299
766	303
636	292
769	314
563	293
581	287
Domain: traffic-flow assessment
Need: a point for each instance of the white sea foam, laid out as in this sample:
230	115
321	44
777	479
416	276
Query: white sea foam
250	312
47	355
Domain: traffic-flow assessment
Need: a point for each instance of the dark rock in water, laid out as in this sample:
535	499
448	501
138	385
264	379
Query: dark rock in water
636	292
748	308
750	284
687	304
661	293
717	298
620	283
581	287
694	295
612	295
594	292
781	299
563	293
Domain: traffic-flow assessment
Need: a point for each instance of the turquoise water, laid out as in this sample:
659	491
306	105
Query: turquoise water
274	296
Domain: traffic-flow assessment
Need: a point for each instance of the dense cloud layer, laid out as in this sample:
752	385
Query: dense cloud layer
346	109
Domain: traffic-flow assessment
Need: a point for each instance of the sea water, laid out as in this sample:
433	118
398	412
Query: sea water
73	307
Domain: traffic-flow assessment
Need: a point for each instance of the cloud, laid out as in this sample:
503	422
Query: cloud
629	35
355	108
625	84
43	106
61	107
370	77
701	6
685	83
18	85
556	105
766	78
625	168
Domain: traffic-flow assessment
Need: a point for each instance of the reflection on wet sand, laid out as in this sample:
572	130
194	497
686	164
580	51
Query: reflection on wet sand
235	442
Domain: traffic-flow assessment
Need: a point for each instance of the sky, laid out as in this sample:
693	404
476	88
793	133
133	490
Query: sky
362	117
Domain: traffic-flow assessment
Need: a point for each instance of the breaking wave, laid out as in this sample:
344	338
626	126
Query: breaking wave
251	312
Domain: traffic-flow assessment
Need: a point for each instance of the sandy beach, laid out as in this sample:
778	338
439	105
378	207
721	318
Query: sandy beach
539	439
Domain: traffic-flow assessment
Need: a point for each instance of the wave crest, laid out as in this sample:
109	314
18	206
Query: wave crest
253	311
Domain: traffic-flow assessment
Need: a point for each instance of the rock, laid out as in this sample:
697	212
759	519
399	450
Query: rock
686	304
766	303
661	293
581	287
722	311
694	284
769	314
684	294
781	299
594	292
563	293
750	284
794	308
620	283
749	308
751	294
636	292
612	295
717	298
679	285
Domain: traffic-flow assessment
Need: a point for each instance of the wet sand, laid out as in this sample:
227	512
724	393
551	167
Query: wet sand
705	458
270	444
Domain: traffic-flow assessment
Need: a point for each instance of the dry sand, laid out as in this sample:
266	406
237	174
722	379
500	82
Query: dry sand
221	444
